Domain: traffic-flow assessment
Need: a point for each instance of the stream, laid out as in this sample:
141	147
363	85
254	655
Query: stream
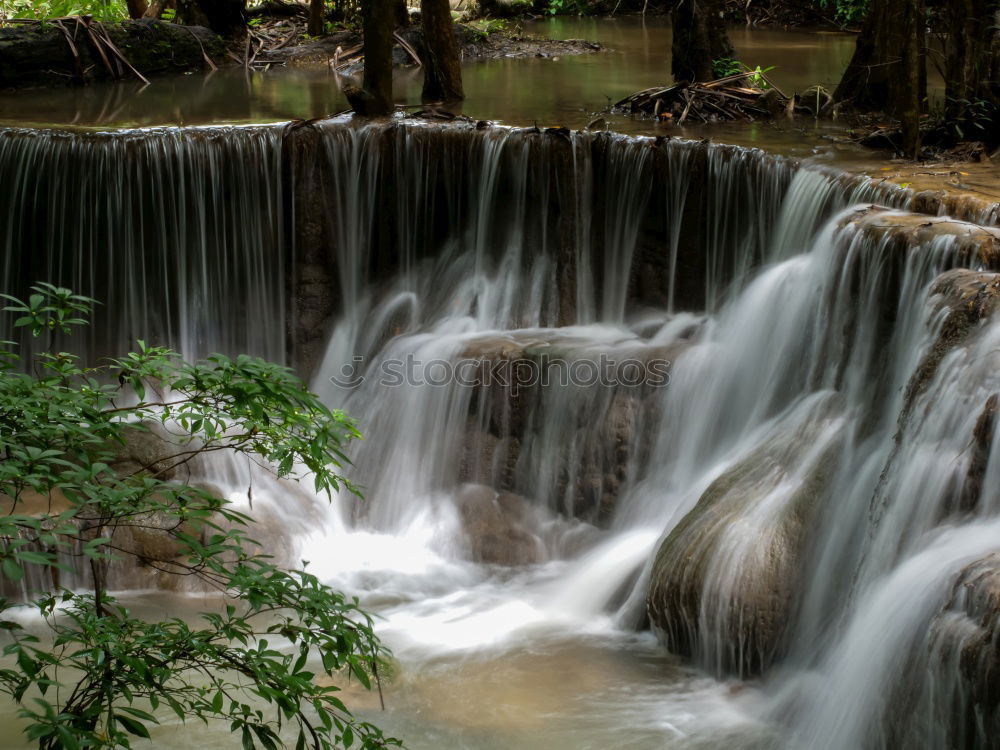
811	461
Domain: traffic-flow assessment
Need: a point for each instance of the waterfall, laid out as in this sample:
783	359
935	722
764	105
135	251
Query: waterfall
602	380
177	232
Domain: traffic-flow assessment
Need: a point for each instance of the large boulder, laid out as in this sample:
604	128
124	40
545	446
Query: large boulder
533	430
149	449
949	693
724	582
498	528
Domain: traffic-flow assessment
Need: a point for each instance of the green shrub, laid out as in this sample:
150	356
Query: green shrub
102	10
100	675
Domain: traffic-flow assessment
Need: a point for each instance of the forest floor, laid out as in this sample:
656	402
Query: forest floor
73	51
477	44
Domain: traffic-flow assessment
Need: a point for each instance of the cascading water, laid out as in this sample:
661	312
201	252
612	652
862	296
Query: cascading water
176	232
593	372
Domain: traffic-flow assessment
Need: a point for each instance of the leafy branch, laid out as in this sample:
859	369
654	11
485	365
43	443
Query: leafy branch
100	676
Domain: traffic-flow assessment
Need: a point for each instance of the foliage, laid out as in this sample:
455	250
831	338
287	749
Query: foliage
567	7
102	10
725	67
483	27
99	674
973	119
846	12
346	12
757	74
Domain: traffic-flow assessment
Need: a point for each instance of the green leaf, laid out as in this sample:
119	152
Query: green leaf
63	427
132	726
67	738
12	570
35	558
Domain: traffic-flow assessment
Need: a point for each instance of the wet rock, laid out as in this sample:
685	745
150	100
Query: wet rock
815	100
149	450
773	102
969	297
957	203
976	596
499	528
605	459
488	459
972	244
524	390
982	446
949	695
153	538
724	582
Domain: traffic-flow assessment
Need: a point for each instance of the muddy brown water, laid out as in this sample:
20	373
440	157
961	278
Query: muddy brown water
554	686
561	90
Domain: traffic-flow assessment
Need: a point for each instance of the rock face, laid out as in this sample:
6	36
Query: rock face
976	599
148	449
499	528
972	244
572	446
572	185
724	581
949	696
40	55
966	298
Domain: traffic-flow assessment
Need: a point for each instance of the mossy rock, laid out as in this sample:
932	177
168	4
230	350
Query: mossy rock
724	582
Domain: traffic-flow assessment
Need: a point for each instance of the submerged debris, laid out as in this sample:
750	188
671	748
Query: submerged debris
743	96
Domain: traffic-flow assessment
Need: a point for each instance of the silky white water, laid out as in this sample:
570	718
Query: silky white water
508	532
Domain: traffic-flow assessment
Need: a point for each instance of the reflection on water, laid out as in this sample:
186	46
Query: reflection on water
561	90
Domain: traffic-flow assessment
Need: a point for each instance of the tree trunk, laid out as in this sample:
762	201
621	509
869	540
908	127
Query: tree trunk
378	23
972	67
442	66
402	14
224	17
699	38
909	93
876	73
136	8
316	10
888	70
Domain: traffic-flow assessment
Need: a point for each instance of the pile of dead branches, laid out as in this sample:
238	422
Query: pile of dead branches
76	29
268	37
743	96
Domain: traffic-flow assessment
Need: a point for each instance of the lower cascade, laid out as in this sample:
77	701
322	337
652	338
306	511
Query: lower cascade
611	388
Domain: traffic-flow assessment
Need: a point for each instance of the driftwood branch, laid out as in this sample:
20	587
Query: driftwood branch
734	97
